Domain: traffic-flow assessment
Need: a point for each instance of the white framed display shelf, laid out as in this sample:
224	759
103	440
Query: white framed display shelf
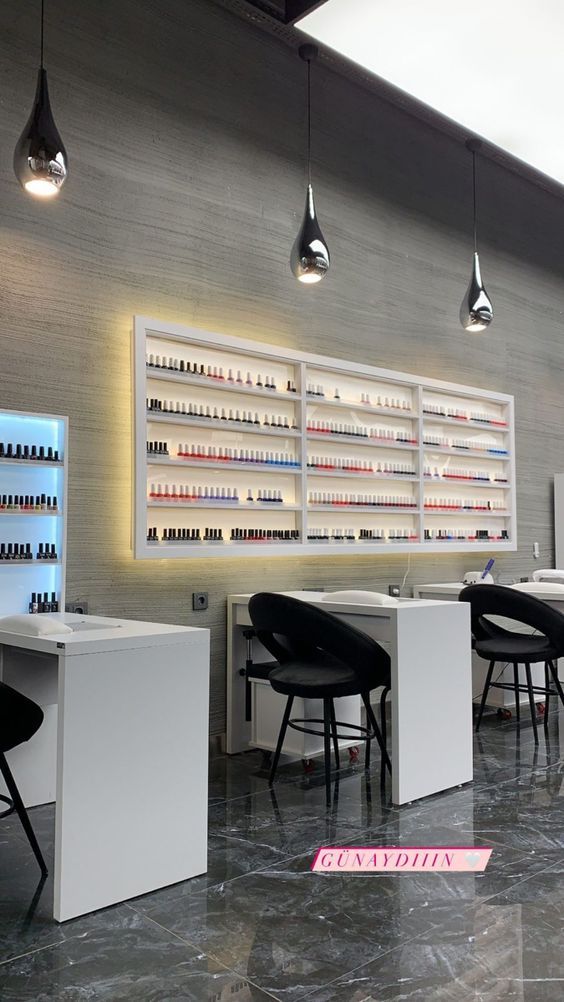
33	509
247	448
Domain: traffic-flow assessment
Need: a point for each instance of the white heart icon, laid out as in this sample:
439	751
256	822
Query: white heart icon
472	858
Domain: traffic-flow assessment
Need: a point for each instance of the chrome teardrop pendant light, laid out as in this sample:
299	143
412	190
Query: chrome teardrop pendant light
309	259
476	310
40	158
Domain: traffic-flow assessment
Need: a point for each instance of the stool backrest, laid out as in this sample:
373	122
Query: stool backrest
497	600
20	717
291	629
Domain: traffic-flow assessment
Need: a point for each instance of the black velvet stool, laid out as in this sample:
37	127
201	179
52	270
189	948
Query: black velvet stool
496	644
20	718
321	657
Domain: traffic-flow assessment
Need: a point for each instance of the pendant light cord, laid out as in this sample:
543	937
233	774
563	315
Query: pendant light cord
474	201
309	121
42	28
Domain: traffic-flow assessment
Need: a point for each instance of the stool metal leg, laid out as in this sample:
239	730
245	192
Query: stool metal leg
366	701
371	719
327	748
281	737
334	733
516	690
547	697
532	703
485	694
21	812
383	722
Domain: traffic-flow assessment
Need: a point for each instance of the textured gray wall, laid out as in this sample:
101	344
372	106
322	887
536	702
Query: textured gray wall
184	129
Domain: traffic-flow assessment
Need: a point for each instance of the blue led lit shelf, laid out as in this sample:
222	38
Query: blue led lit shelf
30	563
21	477
34	514
35	464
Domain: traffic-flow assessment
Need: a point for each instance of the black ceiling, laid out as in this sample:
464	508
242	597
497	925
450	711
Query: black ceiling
286	11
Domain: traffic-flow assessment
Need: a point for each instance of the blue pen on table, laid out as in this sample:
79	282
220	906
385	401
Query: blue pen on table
488	568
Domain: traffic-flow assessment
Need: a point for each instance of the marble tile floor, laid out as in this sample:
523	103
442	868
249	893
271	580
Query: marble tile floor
260	926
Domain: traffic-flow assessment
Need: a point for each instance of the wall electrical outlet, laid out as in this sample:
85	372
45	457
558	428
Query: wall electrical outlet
79	606
394	591
199	600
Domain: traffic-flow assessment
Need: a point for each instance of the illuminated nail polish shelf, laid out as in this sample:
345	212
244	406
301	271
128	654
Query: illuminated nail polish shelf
246	447
33	468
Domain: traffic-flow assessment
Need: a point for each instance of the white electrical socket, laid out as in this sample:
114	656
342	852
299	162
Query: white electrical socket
536	551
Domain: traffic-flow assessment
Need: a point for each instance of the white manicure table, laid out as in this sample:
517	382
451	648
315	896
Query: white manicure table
122	751
431	696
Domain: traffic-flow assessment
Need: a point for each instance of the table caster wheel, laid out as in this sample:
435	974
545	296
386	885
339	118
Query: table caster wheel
504	714
354	753
308	764
541	709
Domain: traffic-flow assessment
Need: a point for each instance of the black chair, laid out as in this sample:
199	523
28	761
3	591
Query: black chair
321	657
20	718
496	644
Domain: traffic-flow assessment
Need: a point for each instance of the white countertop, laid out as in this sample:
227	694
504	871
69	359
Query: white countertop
546	591
93	634
321	599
